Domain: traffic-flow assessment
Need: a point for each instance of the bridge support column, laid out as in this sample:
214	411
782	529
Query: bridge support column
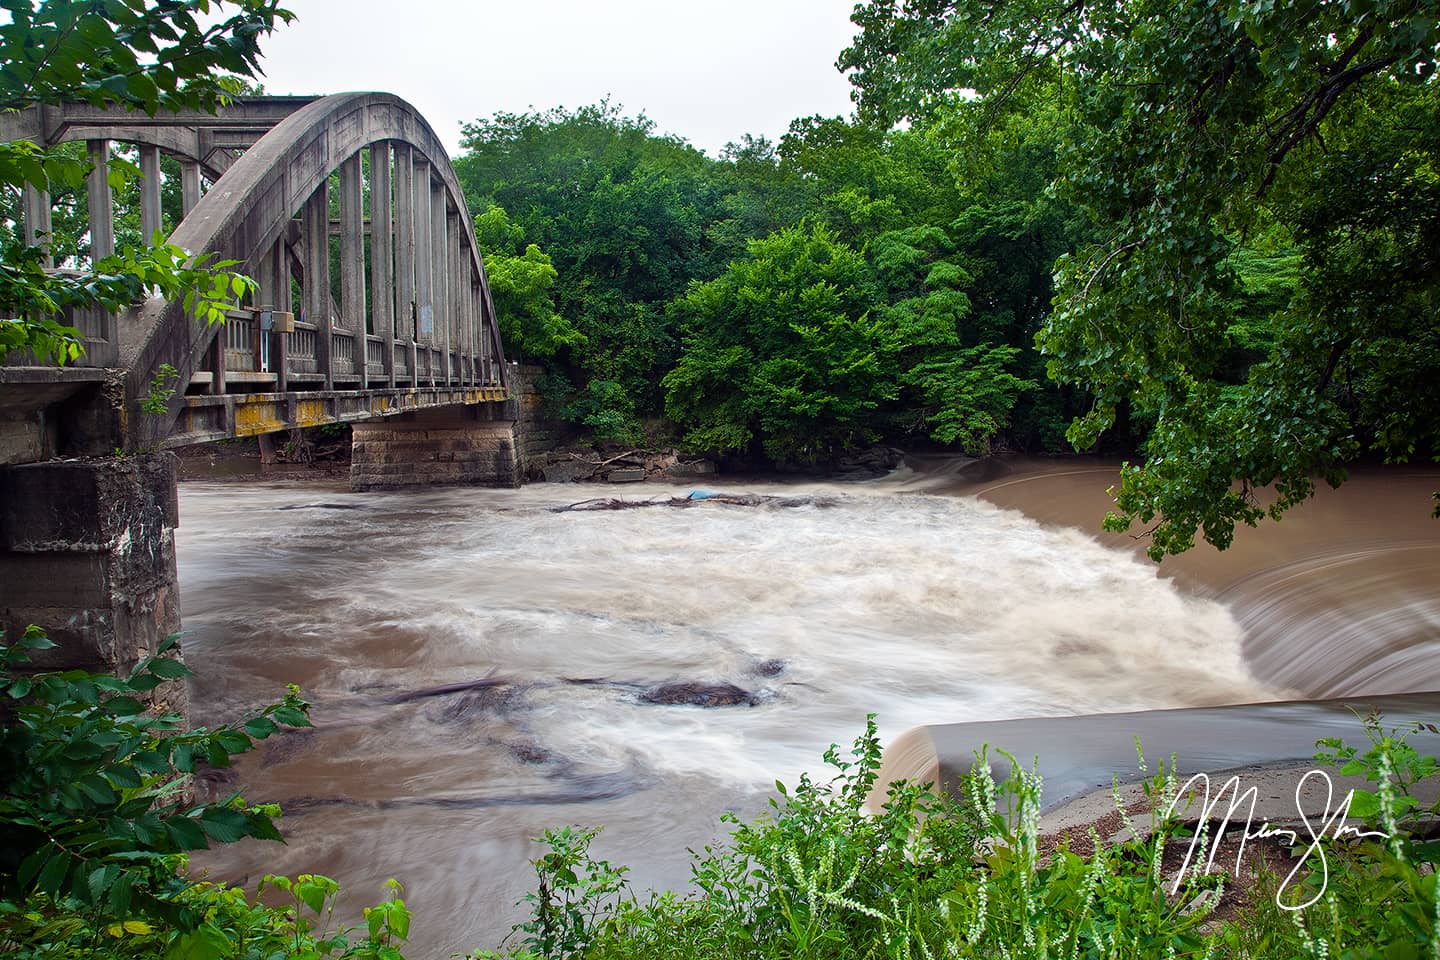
87	551
451	446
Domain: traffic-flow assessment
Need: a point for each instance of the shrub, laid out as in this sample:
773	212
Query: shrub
930	876
95	825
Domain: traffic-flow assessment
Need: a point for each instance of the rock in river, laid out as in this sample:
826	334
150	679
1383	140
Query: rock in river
699	694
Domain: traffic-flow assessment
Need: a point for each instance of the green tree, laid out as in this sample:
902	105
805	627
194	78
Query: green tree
869	180
135	54
1189	128
521	280
962	384
782	350
620	211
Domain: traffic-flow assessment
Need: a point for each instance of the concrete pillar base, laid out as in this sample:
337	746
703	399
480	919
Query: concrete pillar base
455	446
87	552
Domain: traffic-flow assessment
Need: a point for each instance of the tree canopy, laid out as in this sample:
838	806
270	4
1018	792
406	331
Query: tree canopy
1193	133
650	240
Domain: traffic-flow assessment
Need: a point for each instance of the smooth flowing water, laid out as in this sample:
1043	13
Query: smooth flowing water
882	597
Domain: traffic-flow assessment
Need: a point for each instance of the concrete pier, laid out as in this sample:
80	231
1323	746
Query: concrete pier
87	551
472	445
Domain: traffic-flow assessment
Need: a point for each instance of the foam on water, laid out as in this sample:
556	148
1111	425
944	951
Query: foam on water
918	608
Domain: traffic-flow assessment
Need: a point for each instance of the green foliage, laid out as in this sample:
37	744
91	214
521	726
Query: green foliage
157	398
834	871
971	393
574	893
151	57
634	223
870	180
204	285
1380	899
620	212
1188	129
143	56
521	281
964	393
95	827
781	348
231	924
606	410
93	811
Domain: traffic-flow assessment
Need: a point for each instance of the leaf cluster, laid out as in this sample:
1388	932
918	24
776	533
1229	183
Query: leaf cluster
95	813
138	54
1253	284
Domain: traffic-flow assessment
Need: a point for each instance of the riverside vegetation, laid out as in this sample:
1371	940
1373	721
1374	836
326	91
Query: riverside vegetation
1205	231
95	825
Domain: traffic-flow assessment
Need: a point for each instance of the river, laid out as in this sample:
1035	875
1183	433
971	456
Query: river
909	597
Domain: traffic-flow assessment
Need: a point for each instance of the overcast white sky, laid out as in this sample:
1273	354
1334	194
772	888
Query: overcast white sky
708	71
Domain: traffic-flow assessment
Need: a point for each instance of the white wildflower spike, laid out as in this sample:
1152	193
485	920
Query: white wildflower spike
1120	805
976	929
1386	791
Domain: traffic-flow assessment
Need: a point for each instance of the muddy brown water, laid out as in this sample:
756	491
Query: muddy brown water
484	666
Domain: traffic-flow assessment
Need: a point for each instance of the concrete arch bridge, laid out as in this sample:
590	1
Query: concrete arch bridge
373	308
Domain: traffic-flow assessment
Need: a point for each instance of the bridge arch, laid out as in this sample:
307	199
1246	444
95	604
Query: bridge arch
405	346
432	285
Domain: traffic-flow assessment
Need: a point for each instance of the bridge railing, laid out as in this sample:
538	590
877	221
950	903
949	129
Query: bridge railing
410	305
257	346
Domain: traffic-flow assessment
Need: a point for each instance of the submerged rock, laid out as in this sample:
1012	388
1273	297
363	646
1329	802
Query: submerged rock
464	686
770	668
699	694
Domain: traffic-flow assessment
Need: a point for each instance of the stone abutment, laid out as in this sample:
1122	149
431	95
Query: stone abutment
87	552
472	445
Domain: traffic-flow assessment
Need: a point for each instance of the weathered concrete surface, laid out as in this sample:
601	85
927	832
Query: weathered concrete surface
1079	755
25	438
536	432
191	135
87	551
471	445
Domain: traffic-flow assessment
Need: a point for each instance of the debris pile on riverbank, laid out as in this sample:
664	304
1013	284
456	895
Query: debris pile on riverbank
631	466
696	497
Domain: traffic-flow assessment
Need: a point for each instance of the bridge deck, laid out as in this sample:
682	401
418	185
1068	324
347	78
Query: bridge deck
250	414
